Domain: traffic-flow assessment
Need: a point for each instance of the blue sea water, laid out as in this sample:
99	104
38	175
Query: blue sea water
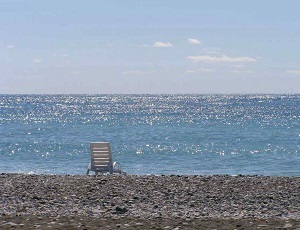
152	134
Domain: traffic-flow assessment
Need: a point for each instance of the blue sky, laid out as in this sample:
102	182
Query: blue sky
131	46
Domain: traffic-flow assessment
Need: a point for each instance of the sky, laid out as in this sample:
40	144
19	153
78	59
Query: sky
149	47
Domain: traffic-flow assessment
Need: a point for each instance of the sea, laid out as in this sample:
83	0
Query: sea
152	134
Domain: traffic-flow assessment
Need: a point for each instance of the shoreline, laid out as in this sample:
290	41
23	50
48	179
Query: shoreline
172	200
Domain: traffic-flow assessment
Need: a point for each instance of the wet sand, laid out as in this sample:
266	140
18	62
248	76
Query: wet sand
149	202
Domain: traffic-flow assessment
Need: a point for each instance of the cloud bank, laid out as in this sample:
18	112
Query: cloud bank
293	72
191	71
240	71
223	58
136	72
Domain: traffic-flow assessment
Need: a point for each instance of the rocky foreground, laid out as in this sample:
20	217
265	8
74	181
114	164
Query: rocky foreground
149	202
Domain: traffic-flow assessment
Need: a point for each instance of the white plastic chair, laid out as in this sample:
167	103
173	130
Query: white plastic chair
101	159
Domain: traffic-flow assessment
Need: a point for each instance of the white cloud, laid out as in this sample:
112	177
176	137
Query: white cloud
10	47
193	41
293	72
37	60
191	71
240	71
223	58
162	44
136	72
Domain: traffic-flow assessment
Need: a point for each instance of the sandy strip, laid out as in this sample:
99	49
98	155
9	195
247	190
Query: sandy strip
149	202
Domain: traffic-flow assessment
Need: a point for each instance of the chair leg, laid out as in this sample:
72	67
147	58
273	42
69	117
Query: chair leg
118	167
88	170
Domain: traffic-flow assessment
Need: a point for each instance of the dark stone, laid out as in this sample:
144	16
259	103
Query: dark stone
121	209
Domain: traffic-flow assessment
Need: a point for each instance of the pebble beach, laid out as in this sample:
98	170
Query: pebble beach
149	202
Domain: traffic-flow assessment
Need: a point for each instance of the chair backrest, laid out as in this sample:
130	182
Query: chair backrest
101	159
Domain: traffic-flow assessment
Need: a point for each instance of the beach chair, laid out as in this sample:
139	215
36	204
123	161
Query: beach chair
101	159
